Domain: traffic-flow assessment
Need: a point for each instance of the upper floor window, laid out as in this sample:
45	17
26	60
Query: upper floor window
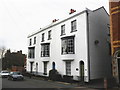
34	40
45	50
31	52
49	35
62	29
43	37
30	42
73	26
68	45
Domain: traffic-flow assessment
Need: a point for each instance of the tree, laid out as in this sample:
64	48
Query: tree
2	51
13	59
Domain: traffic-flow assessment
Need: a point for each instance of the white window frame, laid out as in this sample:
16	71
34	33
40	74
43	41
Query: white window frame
68	68
74	26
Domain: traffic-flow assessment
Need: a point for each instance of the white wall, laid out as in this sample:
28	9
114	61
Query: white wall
100	61
55	47
98	54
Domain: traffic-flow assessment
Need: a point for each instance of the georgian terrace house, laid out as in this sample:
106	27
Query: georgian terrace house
76	46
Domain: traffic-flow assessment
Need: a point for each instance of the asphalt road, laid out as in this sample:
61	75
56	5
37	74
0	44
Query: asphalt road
34	83
31	84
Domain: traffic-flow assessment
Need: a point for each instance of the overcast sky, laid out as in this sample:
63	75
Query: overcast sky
19	18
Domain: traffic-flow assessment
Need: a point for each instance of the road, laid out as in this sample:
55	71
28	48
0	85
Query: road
31	83
34	83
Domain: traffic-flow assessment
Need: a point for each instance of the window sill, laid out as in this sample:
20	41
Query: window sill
44	73
62	34
49	38
31	58
45	56
73	31
43	41
67	53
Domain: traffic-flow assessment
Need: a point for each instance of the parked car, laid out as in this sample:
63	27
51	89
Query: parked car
4	74
15	76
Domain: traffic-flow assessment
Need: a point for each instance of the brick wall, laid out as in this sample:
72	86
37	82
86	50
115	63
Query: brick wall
115	25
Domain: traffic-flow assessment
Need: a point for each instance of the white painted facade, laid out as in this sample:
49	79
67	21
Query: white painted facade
91	28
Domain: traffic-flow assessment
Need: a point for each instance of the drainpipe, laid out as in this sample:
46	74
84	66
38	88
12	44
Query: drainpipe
87	18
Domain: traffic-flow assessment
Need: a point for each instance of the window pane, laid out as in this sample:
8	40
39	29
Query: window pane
62	29
34	40
30	42
45	50
31	52
73	25
49	34
68	68
68	45
42	37
45	67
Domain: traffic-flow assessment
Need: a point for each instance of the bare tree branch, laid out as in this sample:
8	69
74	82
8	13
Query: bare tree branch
2	51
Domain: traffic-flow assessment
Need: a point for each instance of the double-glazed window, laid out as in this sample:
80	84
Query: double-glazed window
73	26
31	52
68	45
68	68
63	30
45	50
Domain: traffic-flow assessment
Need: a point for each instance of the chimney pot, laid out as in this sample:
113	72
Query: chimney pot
72	11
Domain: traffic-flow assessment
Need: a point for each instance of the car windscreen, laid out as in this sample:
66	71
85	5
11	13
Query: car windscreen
5	72
16	73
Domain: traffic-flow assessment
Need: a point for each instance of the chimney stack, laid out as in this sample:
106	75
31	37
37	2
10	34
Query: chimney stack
55	20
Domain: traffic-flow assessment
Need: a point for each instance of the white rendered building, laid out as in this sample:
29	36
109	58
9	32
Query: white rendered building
77	46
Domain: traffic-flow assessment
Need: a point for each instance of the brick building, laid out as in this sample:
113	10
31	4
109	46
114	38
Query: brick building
115	37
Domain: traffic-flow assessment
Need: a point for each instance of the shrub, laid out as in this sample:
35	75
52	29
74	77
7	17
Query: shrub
68	78
54	75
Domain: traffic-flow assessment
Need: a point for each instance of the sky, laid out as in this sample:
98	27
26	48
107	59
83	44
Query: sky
19	18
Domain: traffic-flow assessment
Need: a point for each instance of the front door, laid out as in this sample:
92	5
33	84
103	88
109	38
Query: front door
53	65
36	68
118	70
81	70
31	67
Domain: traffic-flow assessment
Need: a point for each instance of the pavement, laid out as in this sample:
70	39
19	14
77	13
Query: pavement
94	84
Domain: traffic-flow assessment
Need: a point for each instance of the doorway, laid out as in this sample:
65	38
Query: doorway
36	68
53	65
81	70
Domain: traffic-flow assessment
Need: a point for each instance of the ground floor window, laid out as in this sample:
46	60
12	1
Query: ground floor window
45	68
68	68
